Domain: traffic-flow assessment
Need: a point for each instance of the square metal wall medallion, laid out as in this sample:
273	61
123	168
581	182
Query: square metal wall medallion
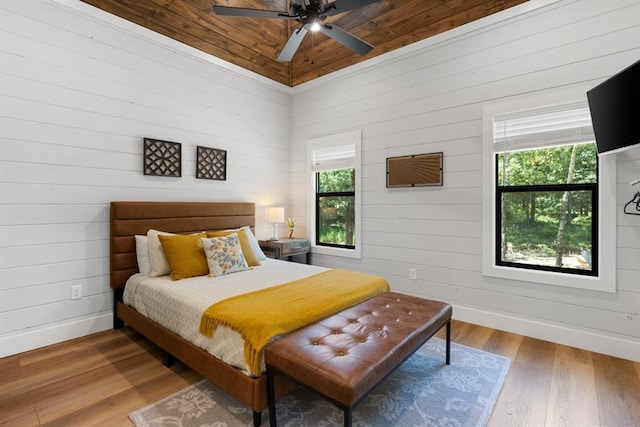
162	158
211	163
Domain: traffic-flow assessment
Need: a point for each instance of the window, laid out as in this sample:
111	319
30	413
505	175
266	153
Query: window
336	208
546	209
335	164
546	219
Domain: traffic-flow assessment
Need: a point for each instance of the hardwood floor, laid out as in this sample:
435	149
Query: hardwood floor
100	379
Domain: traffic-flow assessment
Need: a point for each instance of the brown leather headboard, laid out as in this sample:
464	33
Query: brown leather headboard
131	218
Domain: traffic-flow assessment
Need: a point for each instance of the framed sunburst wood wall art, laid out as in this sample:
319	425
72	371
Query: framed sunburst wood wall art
162	158
415	170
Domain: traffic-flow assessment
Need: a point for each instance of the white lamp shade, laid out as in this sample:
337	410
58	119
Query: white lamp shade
275	215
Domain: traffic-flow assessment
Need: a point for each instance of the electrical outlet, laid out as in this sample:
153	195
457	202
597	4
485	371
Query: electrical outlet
76	292
412	273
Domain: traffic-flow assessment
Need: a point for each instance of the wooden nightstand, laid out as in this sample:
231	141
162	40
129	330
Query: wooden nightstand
286	248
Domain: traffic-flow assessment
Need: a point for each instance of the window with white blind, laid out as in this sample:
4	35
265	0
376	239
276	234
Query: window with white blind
546	216
335	177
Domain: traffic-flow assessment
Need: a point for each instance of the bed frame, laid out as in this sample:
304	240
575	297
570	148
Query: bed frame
131	218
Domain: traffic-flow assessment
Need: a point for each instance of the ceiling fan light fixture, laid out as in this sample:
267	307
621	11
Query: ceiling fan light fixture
310	14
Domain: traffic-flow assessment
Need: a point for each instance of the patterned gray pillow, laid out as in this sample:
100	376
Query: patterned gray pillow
224	255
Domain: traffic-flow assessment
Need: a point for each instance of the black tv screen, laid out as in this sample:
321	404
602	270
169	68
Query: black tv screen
615	110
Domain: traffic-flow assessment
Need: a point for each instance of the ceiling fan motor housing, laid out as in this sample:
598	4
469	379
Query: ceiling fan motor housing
297	9
313	7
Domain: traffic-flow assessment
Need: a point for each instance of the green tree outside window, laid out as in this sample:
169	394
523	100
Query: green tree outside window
547	208
335	200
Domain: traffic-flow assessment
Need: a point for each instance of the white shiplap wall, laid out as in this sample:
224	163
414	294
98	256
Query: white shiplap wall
430	99
79	90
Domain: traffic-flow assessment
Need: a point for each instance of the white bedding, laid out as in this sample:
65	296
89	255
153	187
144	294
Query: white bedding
178	305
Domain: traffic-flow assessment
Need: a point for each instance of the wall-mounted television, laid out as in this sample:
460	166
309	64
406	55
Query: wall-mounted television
615	111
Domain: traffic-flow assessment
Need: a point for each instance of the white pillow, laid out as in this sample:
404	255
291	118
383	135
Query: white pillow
254	244
142	254
224	255
157	259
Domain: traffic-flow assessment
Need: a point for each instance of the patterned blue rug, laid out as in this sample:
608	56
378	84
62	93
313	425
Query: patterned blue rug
422	392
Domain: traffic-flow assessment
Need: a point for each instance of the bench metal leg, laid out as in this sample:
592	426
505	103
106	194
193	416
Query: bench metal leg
257	418
348	412
272	399
448	361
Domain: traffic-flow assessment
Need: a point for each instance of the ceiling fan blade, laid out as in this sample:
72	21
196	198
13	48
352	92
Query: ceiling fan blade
340	6
252	13
346	39
292	44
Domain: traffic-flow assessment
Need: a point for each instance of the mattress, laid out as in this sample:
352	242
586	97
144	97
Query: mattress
178	305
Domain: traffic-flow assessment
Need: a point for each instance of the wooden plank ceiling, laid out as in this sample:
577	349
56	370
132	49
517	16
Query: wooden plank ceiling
254	43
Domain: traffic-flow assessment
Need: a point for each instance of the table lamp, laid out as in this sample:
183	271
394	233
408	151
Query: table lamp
275	216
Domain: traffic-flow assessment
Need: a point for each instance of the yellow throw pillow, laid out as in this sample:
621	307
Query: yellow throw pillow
245	244
185	255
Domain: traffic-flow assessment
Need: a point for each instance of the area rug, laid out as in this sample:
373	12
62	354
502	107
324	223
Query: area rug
422	392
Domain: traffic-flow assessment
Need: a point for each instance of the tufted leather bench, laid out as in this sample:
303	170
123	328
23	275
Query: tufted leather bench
346	355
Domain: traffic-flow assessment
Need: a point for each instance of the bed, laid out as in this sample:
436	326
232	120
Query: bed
129	219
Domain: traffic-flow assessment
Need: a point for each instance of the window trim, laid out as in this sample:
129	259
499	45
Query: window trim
605	281
354	137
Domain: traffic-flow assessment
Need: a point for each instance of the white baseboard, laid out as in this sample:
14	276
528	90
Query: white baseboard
561	334
547	331
33	338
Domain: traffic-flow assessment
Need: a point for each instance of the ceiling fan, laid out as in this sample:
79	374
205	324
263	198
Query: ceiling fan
311	14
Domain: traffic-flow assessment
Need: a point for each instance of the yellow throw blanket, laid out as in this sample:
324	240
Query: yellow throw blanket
262	315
